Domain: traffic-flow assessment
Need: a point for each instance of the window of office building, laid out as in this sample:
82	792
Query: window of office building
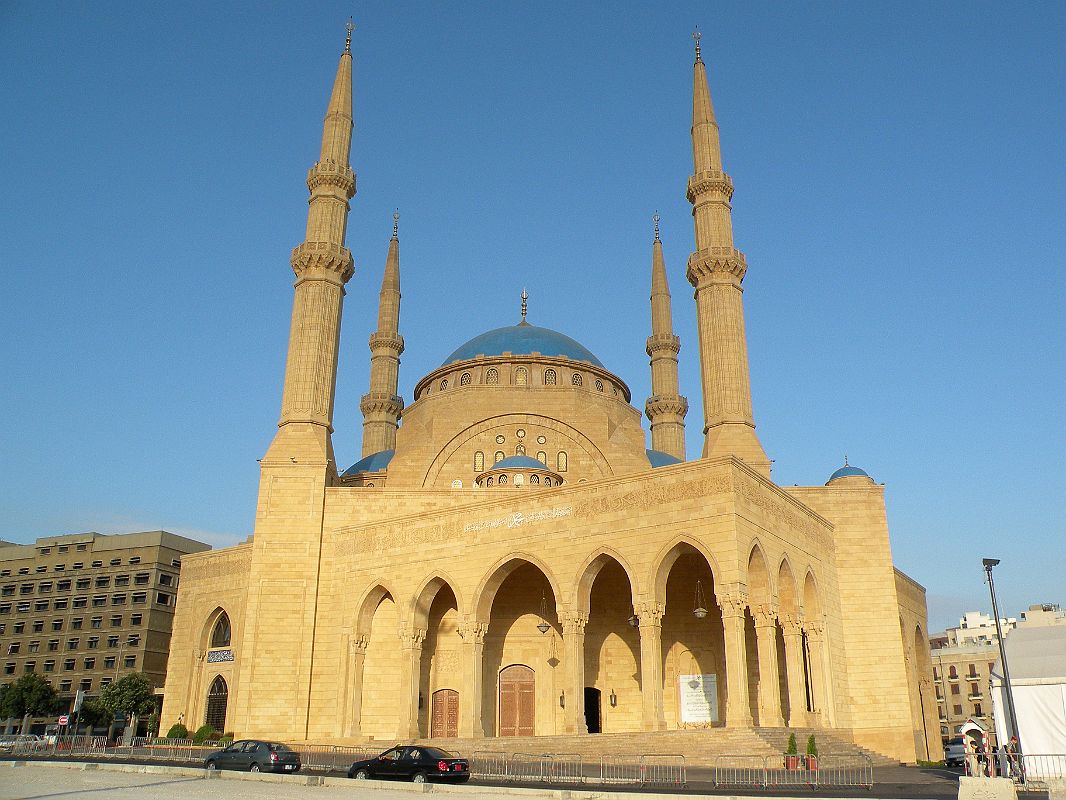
96	622
135	619
116	620
86	684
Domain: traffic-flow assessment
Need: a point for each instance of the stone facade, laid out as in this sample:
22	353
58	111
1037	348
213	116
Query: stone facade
508	558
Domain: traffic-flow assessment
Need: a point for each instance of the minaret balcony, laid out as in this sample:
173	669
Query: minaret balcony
386	341
709	180
665	343
381	403
330	173
715	261
329	257
661	405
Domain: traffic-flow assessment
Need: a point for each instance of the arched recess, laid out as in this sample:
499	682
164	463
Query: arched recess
378	619
760	590
668	556
518	596
693	638
612	645
436	611
217	704
813	661
788	609
922	680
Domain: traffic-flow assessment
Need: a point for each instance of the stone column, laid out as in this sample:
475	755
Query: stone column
769	680
737	708
797	695
651	665
473	649
357	644
815	648
573	623
410	677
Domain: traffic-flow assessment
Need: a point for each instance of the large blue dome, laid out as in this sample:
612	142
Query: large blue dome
848	471
523	339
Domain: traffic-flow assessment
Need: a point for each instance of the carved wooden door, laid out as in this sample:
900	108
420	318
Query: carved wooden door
445	714
518	704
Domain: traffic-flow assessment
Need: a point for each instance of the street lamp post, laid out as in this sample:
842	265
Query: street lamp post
988	564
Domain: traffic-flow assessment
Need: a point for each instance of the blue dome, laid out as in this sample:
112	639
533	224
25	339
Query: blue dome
523	339
848	471
519	462
375	462
660	459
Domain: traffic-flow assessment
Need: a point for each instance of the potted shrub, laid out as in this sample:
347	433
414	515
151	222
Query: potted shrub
812	753
792	758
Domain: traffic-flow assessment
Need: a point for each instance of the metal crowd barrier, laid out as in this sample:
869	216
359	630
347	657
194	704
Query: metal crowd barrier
1036	771
766	771
489	763
619	769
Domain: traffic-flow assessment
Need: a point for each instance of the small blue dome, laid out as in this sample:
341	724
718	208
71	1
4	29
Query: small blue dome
848	471
375	462
519	462
523	339
660	459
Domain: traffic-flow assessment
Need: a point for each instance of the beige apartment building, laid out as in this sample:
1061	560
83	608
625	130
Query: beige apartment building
964	658
83	609
510	558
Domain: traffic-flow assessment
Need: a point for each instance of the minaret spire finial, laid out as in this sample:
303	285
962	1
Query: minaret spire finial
395	223
655	218
697	36
351	27
525	297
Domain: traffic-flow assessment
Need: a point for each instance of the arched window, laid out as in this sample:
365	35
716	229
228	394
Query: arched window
498	458
217	700
464	379
521	377
492	376
479	461
220	636
503	480
550	377
575	379
560	462
488	481
534	479
547	481
444	384
520	450
542	457
599	385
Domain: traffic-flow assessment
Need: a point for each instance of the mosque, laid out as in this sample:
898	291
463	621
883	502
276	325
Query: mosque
508	558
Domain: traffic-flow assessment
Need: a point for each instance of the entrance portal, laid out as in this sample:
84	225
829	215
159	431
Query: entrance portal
518	701
592	710
444	710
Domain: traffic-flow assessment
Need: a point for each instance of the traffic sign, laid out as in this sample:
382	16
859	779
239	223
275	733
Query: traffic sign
63	719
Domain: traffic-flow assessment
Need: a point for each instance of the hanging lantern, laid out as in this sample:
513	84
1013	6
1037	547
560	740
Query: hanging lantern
699	607
634	620
543	625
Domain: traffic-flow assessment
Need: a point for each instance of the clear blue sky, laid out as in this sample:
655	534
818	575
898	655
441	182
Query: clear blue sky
900	196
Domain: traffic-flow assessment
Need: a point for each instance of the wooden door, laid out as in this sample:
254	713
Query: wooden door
444	721
518	703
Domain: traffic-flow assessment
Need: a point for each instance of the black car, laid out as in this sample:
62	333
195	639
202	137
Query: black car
413	762
255	756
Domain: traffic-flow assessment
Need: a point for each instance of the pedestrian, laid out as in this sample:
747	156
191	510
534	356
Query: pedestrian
1013	759
973	765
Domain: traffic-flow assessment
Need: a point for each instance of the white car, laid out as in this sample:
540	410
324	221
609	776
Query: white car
955	752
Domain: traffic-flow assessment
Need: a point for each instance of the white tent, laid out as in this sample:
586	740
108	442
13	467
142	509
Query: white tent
1037	660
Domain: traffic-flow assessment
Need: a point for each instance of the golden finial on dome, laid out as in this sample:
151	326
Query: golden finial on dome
525	297
348	39
697	36
655	218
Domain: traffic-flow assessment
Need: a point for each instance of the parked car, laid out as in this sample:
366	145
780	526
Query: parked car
415	763
955	752
253	755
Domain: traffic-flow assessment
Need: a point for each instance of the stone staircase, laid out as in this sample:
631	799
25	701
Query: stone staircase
700	747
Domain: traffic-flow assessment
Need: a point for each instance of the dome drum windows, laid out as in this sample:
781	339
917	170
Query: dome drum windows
464	379
479	461
550	377
575	379
521	377
444	384
492	376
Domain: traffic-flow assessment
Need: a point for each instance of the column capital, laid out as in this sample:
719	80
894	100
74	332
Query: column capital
765	615
358	643
573	621
412	638
814	628
733	604
473	631
791	625
650	613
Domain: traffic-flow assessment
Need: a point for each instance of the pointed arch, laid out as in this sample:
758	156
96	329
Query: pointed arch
217	703
498	573
591	567
211	625
812	603
760	587
368	603
427	592
668	555
787	592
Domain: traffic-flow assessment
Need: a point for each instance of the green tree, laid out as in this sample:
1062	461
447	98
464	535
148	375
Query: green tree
93	714
29	696
131	694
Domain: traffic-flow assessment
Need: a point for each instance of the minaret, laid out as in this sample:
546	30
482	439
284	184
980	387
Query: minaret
666	408
716	270
323	266
381	406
